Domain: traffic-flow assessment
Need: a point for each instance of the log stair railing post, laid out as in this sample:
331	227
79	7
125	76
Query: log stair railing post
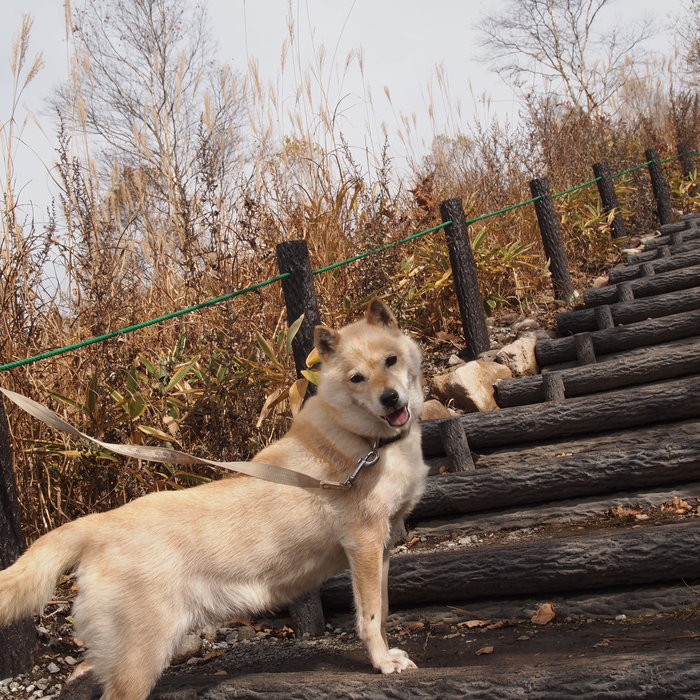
659	186
686	158
585	351
17	641
456	444
608	198
552	239
466	285
553	386
300	298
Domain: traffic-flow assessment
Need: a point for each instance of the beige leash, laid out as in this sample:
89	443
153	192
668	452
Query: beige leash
260	470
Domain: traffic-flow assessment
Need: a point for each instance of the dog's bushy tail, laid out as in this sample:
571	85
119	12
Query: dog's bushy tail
29	583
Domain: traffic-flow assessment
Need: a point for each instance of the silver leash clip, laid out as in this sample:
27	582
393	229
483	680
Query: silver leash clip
371	458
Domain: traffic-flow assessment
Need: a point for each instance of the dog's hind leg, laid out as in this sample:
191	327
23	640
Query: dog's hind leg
129	644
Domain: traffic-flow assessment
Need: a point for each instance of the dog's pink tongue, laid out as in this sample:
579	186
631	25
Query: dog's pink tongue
398	418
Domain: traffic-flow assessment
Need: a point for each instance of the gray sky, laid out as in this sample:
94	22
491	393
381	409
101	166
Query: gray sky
402	43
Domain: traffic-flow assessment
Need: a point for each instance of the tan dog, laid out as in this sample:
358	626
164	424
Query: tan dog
157	567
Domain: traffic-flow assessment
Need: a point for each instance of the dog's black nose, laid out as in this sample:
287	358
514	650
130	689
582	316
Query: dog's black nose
389	398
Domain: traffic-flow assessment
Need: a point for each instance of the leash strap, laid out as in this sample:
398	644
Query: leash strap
260	470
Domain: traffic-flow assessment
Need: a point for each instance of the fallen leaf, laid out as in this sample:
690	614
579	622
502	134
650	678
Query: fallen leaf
412	628
473	623
484	650
544	615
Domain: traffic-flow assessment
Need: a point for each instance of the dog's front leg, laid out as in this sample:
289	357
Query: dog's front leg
369	568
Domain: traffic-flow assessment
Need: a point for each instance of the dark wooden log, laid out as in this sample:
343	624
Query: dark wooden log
626	312
602	318
622	558
663	252
686	159
657	363
614	410
552	239
643	465
671	281
552	386
18	641
608	198
608	340
456	445
630	272
660	672
555	449
307	615
299	296
674	235
625	291
585	352
659	186
466	285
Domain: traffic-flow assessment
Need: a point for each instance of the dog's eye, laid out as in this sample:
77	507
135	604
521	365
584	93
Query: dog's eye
357	378
391	360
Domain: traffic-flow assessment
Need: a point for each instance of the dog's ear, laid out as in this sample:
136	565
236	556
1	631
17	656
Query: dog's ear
325	340
379	314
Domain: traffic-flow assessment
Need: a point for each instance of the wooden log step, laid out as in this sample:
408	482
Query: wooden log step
624	273
341	672
671	281
554	450
478	528
608	340
614	410
673	233
664	251
576	563
671	462
625	312
655	363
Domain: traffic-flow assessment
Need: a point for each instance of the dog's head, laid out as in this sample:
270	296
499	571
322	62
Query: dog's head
371	372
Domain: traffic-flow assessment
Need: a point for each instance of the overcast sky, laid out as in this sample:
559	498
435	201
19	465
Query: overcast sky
402	41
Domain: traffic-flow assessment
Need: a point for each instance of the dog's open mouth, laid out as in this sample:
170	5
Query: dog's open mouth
398	418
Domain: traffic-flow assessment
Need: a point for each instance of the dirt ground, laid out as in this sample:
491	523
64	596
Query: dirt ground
460	653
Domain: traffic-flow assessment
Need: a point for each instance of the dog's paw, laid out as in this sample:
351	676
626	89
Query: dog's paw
396	661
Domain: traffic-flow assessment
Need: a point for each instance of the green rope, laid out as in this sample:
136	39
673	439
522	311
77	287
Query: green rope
202	305
577	187
505	209
138	326
631	170
381	249
277	278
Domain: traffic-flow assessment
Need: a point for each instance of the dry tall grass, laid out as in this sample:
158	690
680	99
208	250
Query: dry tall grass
194	207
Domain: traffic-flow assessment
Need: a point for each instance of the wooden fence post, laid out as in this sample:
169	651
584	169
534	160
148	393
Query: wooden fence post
659	186
552	239
17	641
686	158
300	298
608	198
466	285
